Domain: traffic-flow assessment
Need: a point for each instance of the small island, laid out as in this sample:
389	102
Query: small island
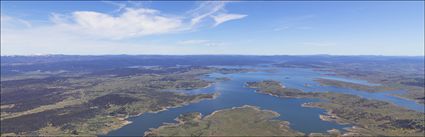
274	88
238	121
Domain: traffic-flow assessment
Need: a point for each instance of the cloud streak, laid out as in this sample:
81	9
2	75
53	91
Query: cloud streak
131	23
226	17
320	44
12	22
200	42
139	22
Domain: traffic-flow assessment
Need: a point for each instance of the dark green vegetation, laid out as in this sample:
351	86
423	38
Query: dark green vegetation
370	117
393	73
241	121
90	103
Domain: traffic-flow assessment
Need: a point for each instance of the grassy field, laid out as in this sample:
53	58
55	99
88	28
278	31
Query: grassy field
240	121
97	102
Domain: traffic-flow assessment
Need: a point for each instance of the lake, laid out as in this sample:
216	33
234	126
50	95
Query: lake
233	93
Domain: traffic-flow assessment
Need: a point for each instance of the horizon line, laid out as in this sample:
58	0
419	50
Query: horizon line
212	55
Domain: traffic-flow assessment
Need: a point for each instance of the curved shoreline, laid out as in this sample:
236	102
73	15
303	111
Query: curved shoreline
126	121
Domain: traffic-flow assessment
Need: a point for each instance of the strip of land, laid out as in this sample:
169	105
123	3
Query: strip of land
355	86
391	74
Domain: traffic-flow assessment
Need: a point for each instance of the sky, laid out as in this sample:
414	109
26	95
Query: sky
231	27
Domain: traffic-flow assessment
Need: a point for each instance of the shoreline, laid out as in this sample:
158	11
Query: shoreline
126	121
328	116
178	121
199	117
406	98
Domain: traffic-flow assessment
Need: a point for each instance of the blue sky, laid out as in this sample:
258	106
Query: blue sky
180	28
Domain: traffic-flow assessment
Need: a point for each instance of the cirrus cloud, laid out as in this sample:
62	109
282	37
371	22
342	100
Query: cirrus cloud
131	23
226	17
200	42
12	22
138	22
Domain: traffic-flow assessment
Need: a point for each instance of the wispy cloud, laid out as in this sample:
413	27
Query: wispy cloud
318	43
14	22
215	10
138	21
200	42
205	10
131	23
109	31
227	17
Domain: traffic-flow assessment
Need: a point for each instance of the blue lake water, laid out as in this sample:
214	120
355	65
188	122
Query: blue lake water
233	93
